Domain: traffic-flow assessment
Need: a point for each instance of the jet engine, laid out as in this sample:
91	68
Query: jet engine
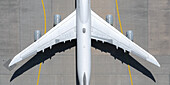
109	19
129	34
37	35
57	19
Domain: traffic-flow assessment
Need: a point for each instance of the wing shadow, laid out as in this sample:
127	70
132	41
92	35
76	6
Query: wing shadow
116	53
123	57
48	53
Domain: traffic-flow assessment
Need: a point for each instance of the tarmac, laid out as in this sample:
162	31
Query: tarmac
148	19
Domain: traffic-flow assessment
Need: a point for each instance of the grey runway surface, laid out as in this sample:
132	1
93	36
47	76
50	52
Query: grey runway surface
148	19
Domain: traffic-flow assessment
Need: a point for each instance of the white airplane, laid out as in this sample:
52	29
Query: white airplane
83	24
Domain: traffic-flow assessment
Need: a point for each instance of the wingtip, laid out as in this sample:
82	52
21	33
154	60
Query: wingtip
11	63
153	60
158	64
155	63
15	60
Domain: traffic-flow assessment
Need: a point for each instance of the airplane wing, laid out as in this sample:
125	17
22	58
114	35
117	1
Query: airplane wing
104	32
64	31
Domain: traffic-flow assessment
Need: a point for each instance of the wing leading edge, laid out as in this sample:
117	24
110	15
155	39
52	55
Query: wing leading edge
64	31
104	32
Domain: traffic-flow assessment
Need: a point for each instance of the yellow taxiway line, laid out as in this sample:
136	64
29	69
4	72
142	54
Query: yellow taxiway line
122	33
44	33
39	73
44	16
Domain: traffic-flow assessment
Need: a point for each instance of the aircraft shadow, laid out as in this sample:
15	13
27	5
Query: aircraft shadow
49	53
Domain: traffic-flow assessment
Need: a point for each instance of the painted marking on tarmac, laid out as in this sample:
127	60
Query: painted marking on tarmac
122	33
130	75
39	73
119	17
44	33
44	17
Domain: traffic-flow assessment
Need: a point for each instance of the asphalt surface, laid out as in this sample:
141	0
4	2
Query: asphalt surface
148	19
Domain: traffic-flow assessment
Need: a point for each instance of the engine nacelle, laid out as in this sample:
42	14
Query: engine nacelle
129	34
37	35
57	19
109	19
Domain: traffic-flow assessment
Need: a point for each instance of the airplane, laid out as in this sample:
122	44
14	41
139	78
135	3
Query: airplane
84	24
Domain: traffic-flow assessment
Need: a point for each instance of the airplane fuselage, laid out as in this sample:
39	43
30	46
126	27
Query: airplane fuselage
83	28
